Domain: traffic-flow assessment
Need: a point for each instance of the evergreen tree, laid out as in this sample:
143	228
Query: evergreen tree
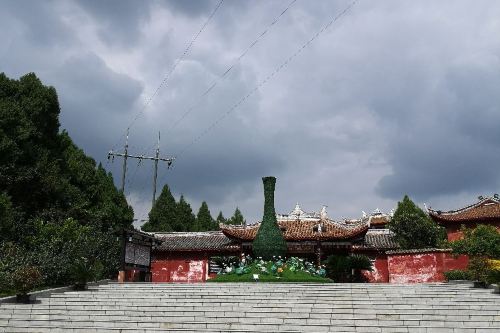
204	221
269	240
48	184
237	218
221	219
185	219
44	174
413	228
163	214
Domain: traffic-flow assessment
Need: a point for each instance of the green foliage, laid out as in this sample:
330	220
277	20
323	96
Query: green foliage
204	220
413	228
457	274
56	204
163	213
484	240
185	219
7	217
237	218
478	268
269	240
220	219
25	278
493	276
347	268
44	173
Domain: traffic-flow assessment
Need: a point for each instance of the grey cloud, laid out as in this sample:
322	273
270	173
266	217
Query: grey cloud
394	98
120	21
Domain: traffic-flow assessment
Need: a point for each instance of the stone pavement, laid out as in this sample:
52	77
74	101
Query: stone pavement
259	307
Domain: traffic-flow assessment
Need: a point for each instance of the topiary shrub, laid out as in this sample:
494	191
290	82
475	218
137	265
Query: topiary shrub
269	240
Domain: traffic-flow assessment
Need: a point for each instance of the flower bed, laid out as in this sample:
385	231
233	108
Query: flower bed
275	270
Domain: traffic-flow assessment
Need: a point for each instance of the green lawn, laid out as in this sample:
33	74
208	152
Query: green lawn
288	276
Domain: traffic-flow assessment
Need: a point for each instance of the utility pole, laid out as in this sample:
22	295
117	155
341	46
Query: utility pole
155	158
155	176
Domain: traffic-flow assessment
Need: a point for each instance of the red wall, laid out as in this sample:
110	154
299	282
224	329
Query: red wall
179	267
454	233
422	267
380	273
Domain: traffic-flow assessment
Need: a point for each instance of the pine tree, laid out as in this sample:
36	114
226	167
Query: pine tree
185	219
162	216
204	221
221	219
237	218
269	241
413	228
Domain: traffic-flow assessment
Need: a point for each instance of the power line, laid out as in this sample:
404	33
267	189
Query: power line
214	83
267	79
176	63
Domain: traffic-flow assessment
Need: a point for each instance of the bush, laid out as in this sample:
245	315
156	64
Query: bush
493	277
457	274
24	279
347	268
484	240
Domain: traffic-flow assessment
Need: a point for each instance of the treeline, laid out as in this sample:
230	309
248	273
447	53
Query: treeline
169	215
57	205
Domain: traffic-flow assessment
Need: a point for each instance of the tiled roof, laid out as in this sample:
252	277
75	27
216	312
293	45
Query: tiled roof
381	239
485	209
377	220
296	230
195	241
412	251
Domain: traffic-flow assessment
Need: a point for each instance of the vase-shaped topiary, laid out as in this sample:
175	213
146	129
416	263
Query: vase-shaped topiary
269	240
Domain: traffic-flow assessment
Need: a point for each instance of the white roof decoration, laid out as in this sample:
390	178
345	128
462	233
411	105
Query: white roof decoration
323	214
297	211
377	212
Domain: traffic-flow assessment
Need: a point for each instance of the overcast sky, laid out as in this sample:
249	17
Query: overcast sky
395	97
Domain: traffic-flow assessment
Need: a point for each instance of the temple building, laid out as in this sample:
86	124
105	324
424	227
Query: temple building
186	256
485	211
310	235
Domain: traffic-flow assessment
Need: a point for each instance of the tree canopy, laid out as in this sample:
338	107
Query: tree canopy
48	183
204	220
484	240
237	218
413	228
163	214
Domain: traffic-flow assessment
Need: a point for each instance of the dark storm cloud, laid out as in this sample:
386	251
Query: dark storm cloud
450	145
394	98
94	97
37	23
118	22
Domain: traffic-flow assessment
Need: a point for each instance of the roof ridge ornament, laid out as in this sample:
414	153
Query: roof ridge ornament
323	214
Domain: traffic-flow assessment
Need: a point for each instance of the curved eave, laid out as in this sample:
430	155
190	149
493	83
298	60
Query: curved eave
301	232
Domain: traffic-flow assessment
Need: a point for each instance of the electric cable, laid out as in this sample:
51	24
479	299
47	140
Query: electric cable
263	82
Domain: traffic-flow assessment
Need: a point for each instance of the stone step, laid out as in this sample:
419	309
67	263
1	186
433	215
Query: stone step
238	316
262	307
362	325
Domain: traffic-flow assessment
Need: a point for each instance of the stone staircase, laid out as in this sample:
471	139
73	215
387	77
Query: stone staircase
259	307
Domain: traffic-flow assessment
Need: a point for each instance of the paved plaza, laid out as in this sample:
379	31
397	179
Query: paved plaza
144	307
